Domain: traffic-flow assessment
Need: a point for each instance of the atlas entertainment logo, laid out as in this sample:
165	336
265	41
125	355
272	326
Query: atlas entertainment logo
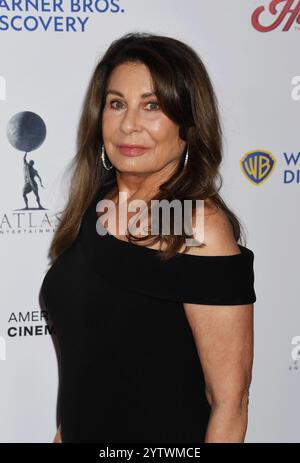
26	132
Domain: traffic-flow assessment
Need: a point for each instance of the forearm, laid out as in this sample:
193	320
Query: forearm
227	423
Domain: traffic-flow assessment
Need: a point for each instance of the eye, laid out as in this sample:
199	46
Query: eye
114	101
153	103
114	104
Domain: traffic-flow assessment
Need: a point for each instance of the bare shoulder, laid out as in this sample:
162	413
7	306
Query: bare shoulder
218	233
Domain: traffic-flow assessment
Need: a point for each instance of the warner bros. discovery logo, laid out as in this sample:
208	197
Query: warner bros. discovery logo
257	166
26	132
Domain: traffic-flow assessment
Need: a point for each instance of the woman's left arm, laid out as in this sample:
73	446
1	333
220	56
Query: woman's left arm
224	340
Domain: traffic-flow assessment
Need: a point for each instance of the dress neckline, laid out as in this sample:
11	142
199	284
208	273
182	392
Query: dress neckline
151	251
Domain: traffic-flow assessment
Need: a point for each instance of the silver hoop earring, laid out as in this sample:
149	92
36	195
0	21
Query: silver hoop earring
186	159
103	159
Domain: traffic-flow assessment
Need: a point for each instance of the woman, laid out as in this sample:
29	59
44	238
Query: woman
156	337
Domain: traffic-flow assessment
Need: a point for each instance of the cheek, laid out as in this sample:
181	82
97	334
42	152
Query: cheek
163	129
109	122
166	133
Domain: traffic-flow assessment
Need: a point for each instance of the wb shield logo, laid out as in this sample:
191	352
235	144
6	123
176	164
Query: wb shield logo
257	166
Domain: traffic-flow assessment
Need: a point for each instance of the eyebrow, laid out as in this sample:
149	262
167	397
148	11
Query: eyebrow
116	92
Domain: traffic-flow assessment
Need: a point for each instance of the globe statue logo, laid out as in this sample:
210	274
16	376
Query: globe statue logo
26	131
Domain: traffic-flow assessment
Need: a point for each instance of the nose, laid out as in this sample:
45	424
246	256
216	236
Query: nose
130	121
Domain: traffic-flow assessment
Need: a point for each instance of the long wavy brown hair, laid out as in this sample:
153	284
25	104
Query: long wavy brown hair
186	95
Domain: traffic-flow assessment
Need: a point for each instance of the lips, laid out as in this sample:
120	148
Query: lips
132	150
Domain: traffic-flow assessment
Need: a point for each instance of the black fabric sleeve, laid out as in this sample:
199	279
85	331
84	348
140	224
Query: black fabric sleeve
220	280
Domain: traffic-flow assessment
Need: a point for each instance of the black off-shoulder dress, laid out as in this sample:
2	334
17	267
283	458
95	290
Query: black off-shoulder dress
130	371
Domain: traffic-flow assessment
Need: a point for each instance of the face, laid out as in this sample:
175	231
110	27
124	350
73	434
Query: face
133	117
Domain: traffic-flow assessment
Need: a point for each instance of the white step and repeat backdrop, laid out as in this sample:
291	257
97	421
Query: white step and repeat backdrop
48	50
